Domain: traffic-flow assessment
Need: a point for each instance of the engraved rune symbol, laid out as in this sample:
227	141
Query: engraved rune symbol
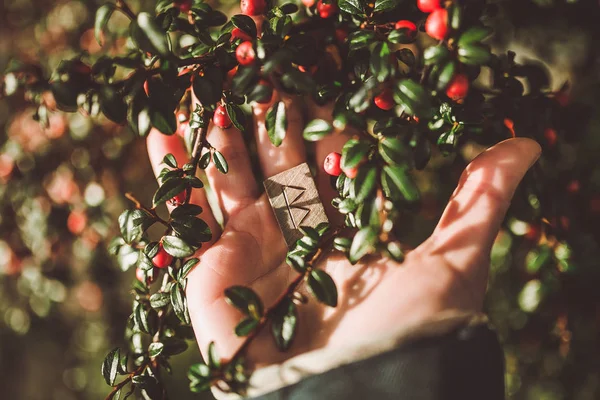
291	194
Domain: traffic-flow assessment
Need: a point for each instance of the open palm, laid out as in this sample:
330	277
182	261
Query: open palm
448	271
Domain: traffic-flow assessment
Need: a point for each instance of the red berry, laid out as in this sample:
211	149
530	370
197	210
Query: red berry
267	99
221	118
533	233
408	25
308	3
184	5
326	10
332	164
350	172
245	53
385	100
77	222
574	187
253	7
551	136
146	89
341	35
436	25
162	259
428	6
237	33
458	87
178	199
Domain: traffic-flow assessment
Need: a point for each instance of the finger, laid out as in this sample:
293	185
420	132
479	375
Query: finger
291	152
470	223
158	146
237	188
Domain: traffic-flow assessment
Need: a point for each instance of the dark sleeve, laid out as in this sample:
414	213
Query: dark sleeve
467	363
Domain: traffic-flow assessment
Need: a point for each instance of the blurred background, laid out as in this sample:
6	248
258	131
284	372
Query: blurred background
64	300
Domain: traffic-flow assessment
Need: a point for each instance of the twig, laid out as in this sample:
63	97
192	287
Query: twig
121	5
150	211
125	381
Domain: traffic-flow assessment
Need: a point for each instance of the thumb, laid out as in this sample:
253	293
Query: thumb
470	223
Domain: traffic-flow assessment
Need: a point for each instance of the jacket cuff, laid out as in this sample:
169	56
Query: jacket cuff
425	345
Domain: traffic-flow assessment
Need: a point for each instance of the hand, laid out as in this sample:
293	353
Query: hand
448	271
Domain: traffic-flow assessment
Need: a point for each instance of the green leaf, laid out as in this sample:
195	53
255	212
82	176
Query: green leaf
103	14
186	210
168	190
208	87
205	160
170	160
393	151
143	319
297	262
415	99
110	366
246	326
283	324
317	129
380	64
214	361
177	247
174	346
192	230
186	268
133	223
323	287
406	56
179	303
245	300
354	7
220	162
444	75
200	377
363	243
342	244
156	37
353	152
398	185
237	116
159	300
435	54
385	5
473	35
162	119
112	105
395	251
245	23
361	39
276	122
474	54
364	183
155	349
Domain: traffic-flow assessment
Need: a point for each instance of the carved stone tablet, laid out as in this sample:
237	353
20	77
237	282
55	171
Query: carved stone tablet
295	201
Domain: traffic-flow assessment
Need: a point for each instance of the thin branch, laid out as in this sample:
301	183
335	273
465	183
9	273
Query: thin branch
125	381
150	211
121	5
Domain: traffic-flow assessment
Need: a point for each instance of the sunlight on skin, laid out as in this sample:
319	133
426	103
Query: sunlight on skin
448	271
